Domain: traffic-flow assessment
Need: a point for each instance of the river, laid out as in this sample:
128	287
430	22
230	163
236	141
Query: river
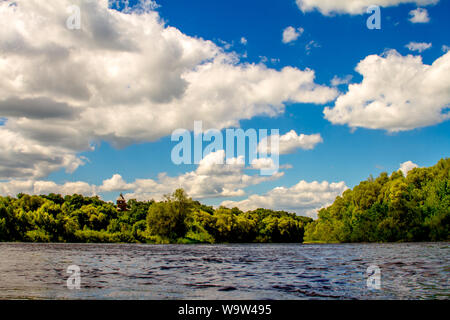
235	271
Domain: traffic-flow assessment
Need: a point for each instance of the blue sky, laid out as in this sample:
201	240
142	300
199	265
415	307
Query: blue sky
337	44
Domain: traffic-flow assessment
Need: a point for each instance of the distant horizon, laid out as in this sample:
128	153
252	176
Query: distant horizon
404	169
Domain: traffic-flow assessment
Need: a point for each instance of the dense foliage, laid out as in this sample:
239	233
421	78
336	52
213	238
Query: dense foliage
389	208
177	219
385	209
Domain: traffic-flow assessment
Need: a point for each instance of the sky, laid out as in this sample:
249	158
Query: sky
90	108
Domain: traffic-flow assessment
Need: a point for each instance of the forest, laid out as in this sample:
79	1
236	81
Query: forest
176	219
389	209
386	209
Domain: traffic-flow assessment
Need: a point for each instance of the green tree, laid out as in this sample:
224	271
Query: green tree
169	219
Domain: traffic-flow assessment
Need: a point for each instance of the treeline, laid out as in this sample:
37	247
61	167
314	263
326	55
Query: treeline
389	208
177	219
385	209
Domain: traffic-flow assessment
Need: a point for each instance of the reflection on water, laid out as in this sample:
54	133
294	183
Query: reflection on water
249	271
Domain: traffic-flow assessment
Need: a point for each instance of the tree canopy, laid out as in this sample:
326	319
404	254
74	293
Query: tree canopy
385	209
176	219
389	208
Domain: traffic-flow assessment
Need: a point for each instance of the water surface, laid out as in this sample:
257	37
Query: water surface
242	271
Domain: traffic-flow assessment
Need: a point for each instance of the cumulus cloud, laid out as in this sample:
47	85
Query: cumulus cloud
336	81
116	183
263	163
211	179
38	108
304	198
290	142
124	77
22	156
419	15
418	46
14	187
291	34
328	7
407	166
397	93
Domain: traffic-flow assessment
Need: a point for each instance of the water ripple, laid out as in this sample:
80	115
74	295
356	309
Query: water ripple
250	271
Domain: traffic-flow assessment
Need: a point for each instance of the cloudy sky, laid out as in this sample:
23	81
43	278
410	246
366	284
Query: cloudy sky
92	110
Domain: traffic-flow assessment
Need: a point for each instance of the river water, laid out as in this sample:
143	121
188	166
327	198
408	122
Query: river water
241	271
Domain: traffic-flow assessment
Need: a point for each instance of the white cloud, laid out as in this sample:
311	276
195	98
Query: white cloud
310	45
244	41
35	152
328	7
419	15
211	179
407	166
291	34
263	163
116	183
336	81
123	78
290	142
305	198
418	46
397	93
14	187
445	48
226	45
